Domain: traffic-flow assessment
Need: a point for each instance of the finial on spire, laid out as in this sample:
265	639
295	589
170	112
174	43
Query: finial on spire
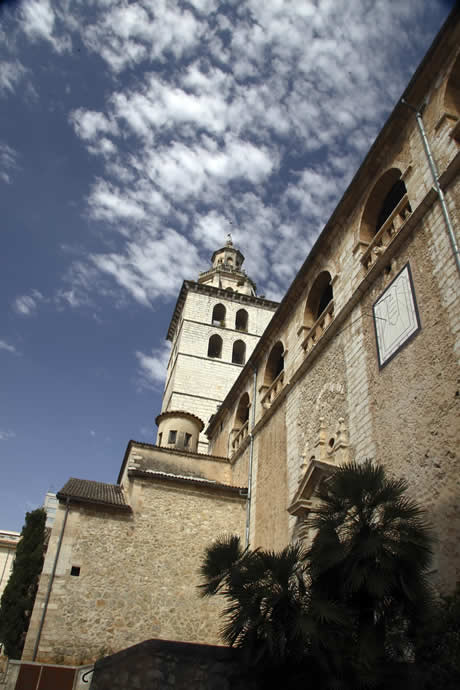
229	242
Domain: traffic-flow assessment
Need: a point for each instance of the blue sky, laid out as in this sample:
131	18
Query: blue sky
133	136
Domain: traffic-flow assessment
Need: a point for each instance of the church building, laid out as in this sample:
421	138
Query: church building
262	401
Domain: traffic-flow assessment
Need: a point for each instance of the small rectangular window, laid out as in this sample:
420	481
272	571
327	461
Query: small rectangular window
159	439
172	437
187	440
75	570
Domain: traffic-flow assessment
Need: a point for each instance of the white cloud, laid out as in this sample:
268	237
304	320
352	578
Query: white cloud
11	74
39	23
151	267
256	113
7	347
6	435
152	367
8	162
26	305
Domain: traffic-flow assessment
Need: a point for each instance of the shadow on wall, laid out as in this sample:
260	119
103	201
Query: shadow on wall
165	665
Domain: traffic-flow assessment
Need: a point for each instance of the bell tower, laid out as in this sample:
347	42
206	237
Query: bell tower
216	324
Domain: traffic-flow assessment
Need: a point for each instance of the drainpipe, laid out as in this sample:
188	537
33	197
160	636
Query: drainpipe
435	175
50	583
251	456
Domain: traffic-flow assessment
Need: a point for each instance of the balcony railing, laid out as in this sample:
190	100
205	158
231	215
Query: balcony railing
240	436
315	331
272	391
386	233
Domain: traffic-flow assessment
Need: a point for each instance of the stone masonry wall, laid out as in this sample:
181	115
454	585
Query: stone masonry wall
269	517
138	574
415	398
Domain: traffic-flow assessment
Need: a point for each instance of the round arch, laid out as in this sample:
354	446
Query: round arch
383	199
452	90
275	363
215	346
319	297
239	352
242	411
218	315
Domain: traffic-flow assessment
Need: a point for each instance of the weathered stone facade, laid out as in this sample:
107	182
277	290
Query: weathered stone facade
138	571
315	391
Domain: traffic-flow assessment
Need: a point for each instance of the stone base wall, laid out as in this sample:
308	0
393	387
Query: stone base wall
164	665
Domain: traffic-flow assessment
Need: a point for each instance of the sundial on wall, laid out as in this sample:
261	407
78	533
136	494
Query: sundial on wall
396	317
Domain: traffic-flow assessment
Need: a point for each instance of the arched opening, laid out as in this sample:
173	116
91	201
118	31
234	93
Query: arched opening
390	202
319	297
382	202
452	93
218	315
241	320
242	411
275	363
229	289
215	346
239	352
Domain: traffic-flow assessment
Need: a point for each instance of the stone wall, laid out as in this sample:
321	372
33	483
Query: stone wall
138	573
160	665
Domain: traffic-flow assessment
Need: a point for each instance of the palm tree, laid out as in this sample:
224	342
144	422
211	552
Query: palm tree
371	553
266	600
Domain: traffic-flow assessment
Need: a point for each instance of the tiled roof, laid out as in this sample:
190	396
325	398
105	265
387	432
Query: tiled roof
87	491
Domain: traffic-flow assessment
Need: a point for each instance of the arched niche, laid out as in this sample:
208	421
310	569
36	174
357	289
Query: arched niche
215	346
452	92
239	352
319	297
241	320
275	363
385	197
242	411
218	315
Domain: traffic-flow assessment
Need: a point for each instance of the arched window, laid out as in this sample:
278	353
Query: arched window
229	289
319	297
218	315
275	363
215	346
242	411
382	202
239	352
241	320
390	202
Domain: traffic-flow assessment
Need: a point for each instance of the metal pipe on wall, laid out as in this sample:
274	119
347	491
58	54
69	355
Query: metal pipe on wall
435	175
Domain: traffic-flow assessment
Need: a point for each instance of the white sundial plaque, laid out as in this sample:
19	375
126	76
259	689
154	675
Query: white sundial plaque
396	317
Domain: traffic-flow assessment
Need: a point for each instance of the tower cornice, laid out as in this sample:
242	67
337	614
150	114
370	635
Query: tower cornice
192	286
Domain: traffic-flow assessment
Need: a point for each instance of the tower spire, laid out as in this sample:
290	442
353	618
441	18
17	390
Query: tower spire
226	272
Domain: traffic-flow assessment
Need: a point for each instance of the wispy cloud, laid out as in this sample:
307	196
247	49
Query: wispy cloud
8	161
11	74
27	305
152	367
252	113
6	435
7	347
39	23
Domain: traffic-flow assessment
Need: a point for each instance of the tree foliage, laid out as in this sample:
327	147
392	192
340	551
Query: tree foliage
438	646
345	613
19	595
